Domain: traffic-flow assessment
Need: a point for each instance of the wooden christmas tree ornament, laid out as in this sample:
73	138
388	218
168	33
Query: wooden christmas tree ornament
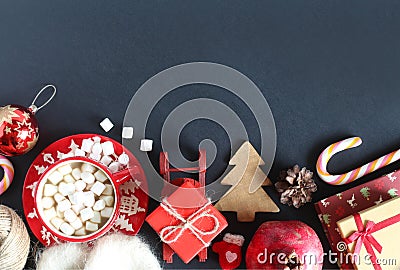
246	196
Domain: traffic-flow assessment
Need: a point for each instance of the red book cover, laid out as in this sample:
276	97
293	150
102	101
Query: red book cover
341	205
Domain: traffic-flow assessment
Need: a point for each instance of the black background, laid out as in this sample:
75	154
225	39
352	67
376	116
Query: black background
329	70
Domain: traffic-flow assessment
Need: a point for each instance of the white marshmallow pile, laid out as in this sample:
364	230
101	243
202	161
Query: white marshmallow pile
96	150
78	198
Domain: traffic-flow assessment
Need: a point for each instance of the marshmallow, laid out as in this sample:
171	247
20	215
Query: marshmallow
108	190
64	205
56	222
97	149
58	197
59	213
87	177
55	177
114	167
79	153
50	213
67	229
106	124
123	159
109	200
108	148
68	178
96	218
86	167
66	169
86	214
66	188
106	212
80	185
99	205
49	190
95	157
88	198
81	231
100	176
98	188
76	173
96	139
92	227
76	224
146	145
127	132
47	202
87	145
77	208
70	216
76	197
106	160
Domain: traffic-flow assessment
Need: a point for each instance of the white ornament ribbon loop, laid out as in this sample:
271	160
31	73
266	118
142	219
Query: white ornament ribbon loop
33	107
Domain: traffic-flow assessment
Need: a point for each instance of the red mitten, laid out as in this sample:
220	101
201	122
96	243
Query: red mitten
229	251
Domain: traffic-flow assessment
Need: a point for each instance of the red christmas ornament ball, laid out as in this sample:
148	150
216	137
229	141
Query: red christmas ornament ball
19	130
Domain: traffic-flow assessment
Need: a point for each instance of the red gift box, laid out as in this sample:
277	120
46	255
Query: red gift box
341	205
187	230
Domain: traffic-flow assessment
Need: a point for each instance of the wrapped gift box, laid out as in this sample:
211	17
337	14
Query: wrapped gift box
187	230
372	236
341	205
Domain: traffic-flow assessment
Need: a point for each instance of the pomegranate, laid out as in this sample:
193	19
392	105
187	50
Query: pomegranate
285	245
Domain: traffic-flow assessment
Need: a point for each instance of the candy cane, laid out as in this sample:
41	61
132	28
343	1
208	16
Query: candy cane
8	174
345	178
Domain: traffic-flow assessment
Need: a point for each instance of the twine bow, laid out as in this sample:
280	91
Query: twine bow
364	236
187	224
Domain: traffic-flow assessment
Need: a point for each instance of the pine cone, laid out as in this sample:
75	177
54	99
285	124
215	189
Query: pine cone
296	186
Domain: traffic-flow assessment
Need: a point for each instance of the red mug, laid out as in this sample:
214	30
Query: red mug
115	179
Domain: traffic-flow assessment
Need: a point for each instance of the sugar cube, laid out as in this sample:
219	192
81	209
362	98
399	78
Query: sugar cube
66	169
76	173
107	212
127	132
55	177
88	198
86	167
56	222
66	188
109	200
97	149
86	214
49	190
80	232
106	124
47	202
87	177
79	153
87	145
76	224
64	205
108	148
92	227
146	145
70	216
114	167
106	160
98	188
99	205
58	197
123	159
68	178
50	213
100	176
67	229
96	217
77	208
